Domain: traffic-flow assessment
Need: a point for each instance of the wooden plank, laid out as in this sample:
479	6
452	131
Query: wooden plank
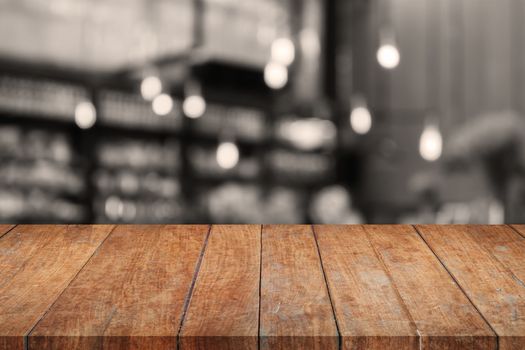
444	317
496	292
360	259
36	263
224	307
130	295
4	228
369	311
503	243
296	312
520	229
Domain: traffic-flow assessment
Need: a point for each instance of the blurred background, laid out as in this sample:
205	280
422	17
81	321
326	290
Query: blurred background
272	111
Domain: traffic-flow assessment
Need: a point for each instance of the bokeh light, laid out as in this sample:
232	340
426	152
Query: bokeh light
194	106
361	120
388	56
150	87
162	104
431	143
85	115
275	75
227	155
283	51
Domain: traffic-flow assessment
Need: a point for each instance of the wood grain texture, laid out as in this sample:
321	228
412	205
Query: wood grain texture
519	228
370	313
36	263
130	295
504	244
4	228
444	317
486	277
296	312
224	307
272	287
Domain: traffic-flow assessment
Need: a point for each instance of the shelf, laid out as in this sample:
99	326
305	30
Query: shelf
240	109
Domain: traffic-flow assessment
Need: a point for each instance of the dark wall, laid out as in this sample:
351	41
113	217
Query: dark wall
459	58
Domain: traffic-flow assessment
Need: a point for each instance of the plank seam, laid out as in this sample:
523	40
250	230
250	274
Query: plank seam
187	300
26	337
459	286
260	289
339	337
516	230
511	272
8	230
394	287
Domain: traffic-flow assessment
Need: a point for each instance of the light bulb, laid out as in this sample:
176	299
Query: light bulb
85	115
150	87
227	155
194	106
361	120
388	56
431	143
283	51
275	75
162	104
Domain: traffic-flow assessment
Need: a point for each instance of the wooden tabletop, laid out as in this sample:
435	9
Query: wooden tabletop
269	287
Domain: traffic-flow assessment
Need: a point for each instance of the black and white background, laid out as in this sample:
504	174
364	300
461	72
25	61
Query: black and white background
262	111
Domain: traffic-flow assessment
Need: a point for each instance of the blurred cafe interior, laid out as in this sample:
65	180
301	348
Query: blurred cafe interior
262	111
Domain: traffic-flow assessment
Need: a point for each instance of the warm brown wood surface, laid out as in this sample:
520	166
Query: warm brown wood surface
520	229
262	287
224	309
443	315
296	312
5	228
475	256
36	264
376	276
370	312
130	295
505	244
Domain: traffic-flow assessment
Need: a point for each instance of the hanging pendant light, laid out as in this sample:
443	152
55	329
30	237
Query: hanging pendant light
194	105
388	54
227	155
283	51
151	84
431	142
162	105
275	75
85	115
282	55
360	116
150	87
